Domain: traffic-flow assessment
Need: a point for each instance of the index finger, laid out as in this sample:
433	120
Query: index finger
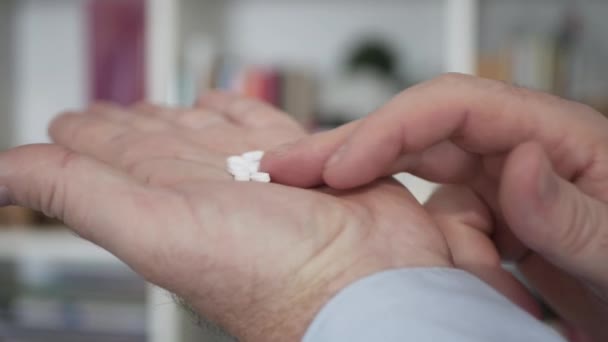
478	116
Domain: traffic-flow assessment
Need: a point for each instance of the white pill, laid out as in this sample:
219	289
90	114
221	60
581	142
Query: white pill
261	177
253	167
255	156
236	169
236	161
242	177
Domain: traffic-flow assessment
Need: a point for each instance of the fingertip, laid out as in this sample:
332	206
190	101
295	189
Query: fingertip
523	191
303	163
523	169
59	120
291	164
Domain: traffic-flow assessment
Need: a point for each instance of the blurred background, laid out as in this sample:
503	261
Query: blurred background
325	62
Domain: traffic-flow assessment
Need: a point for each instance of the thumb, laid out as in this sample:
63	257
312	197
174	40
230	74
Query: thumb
552	216
97	202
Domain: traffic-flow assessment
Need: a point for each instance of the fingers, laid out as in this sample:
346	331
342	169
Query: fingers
553	217
133	150
467	225
130	220
98	203
479	116
109	111
302	163
195	119
88	134
244	111
148	117
169	172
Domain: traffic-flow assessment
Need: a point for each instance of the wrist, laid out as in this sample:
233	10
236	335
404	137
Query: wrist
289	318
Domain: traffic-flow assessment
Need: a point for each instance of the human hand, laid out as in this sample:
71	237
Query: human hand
532	163
467	223
149	185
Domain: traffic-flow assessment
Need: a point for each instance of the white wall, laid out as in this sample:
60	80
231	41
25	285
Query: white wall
317	33
50	64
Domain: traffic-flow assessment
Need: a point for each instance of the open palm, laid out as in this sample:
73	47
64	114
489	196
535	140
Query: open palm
149	184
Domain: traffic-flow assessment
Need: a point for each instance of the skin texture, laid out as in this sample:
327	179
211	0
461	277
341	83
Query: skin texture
529	174
149	184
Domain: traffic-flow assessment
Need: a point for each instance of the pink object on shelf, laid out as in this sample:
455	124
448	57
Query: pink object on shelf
116	48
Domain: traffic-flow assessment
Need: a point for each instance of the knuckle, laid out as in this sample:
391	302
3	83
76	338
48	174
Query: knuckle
489	86
189	117
67	159
60	122
181	117
56	126
454	78
101	106
521	94
243	105
54	201
148	124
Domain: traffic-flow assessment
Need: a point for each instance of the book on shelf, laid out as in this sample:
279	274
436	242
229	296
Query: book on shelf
116	50
291	89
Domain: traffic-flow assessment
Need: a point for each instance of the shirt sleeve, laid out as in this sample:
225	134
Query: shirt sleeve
424	305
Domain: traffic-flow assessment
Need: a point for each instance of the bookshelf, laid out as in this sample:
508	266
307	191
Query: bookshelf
42	45
59	287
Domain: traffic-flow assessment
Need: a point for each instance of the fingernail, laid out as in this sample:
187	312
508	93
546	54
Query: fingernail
5	199
338	155
549	184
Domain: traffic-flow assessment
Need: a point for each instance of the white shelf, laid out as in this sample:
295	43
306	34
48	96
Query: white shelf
461	35
57	244
163	316
49	50
162	18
